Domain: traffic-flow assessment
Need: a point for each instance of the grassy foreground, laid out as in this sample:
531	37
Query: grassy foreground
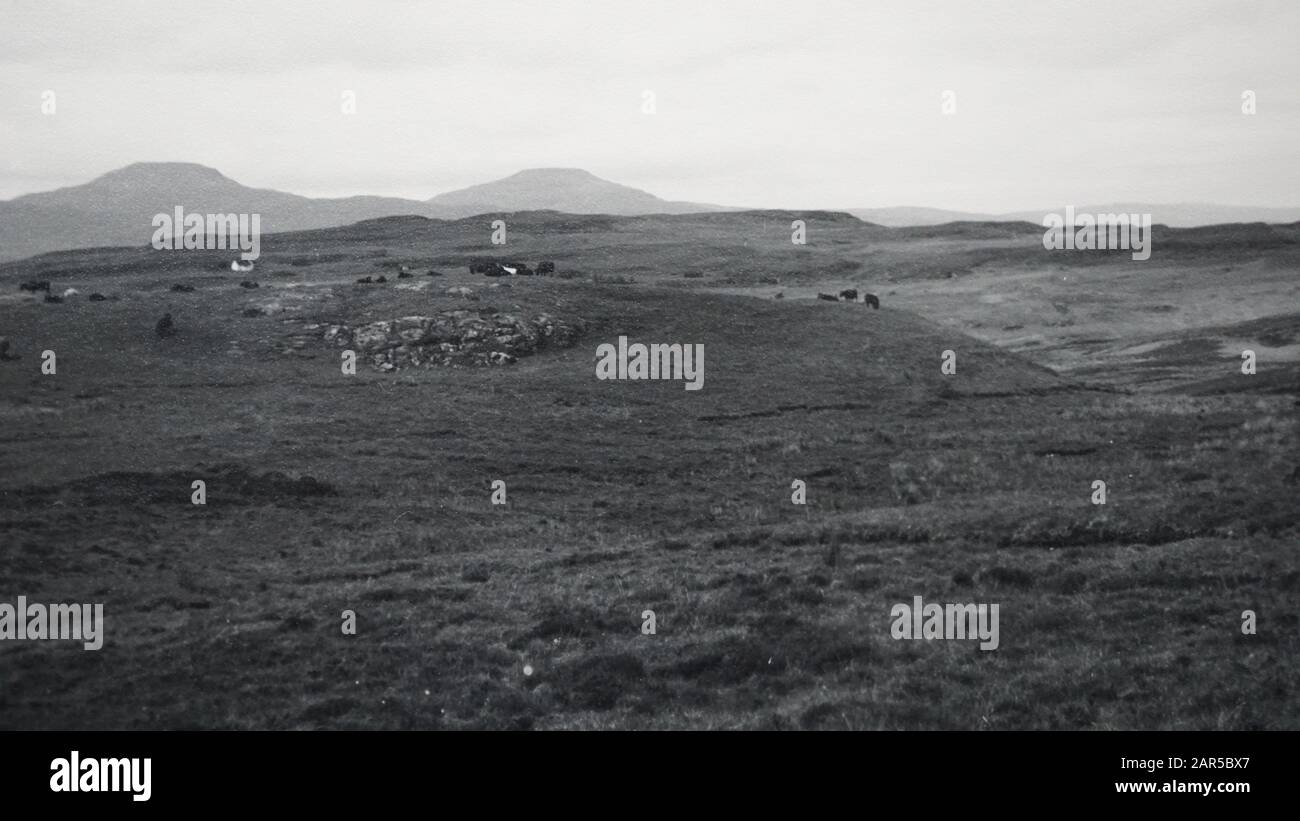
625	497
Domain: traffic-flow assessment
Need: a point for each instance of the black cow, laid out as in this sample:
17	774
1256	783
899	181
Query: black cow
872	300
381	279
184	289
849	295
403	275
165	327
53	298
248	283
545	268
97	297
35	285
365	281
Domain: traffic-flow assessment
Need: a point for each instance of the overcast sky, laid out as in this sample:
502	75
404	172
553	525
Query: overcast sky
796	103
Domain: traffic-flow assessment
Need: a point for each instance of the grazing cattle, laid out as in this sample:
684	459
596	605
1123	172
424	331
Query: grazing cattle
779	295
165	327
35	285
403	275
70	292
545	268
491	269
184	289
248	283
381	279
53	298
97	297
872	300
849	295
828	297
365	281
518	269
235	266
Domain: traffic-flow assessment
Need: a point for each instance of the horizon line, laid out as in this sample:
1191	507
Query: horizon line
722	207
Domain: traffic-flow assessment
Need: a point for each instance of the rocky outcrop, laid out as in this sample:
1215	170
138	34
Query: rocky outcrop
462	337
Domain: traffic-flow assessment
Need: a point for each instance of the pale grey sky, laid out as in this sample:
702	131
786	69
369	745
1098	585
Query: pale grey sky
770	104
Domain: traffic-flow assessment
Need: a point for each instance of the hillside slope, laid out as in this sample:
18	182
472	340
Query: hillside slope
571	190
371	492
117	208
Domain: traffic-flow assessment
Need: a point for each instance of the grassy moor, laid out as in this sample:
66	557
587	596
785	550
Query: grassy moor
373	492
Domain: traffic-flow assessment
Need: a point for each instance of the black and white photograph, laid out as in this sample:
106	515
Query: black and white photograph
622	366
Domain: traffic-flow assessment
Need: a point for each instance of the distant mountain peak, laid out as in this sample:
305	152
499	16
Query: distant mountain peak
117	208
554	173
567	190
166	170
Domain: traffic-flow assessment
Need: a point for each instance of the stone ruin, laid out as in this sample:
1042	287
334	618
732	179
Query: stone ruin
462	337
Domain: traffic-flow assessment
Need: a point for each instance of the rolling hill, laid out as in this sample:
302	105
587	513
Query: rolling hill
116	208
570	190
370	491
1176	215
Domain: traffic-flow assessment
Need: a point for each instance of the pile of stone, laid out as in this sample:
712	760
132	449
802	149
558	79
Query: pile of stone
462	337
